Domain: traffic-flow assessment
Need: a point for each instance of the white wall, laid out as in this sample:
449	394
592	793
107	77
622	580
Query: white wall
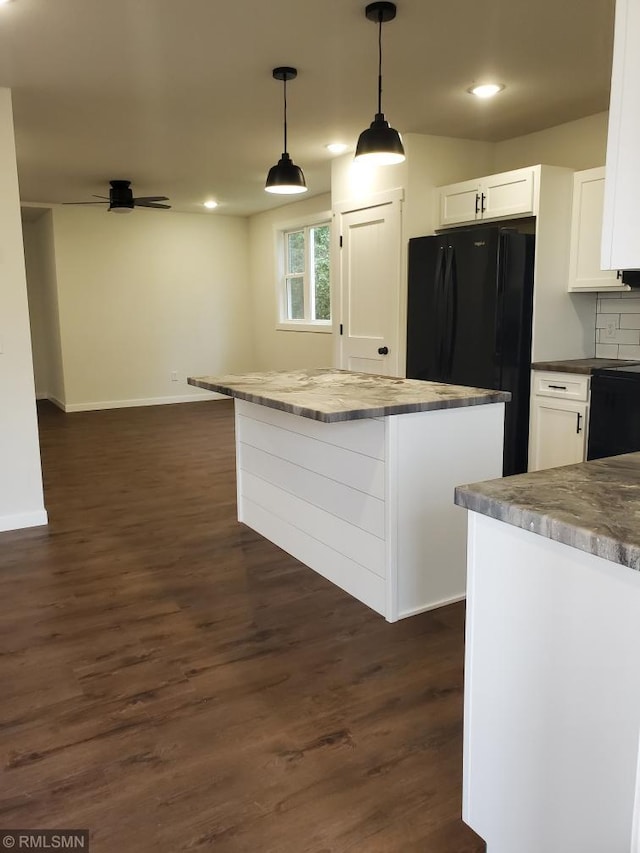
276	349
580	144
42	293
145	294
431	162
355	182
21	498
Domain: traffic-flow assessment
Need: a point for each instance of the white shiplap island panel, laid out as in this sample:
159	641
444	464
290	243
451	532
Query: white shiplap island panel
368	502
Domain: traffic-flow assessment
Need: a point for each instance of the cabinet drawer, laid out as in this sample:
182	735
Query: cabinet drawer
564	386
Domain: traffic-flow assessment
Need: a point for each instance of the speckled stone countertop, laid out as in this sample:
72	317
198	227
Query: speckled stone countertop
593	506
580	365
341	395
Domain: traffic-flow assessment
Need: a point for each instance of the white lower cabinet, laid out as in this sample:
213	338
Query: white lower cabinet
559	420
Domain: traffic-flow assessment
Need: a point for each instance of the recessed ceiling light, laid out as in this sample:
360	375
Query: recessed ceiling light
486	90
337	147
210	204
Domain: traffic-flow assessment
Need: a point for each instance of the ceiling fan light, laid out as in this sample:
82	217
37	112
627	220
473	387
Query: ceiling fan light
285	178
121	209
380	144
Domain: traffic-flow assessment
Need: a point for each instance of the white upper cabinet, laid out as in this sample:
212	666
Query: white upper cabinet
503	196
585	273
621	227
459	203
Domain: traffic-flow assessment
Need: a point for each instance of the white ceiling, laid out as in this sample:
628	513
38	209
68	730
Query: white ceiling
177	95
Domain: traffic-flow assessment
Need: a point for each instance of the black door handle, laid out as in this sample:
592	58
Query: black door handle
383	350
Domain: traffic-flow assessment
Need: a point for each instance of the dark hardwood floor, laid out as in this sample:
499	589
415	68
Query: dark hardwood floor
173	682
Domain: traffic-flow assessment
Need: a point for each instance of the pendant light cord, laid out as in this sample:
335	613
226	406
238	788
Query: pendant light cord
380	61
285	114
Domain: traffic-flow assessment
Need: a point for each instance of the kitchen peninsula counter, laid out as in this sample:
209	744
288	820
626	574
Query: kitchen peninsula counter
353	474
593	506
552	686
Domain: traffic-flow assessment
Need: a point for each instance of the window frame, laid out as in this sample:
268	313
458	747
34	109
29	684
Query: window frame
282	275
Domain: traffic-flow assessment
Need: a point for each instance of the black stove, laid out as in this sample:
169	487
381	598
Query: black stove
614	420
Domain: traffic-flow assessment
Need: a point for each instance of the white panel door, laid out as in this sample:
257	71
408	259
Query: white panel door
370	289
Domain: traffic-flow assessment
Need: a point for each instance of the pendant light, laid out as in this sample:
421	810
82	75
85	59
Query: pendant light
380	144
285	177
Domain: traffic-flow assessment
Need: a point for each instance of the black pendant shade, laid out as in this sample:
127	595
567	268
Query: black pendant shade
381	141
380	144
285	178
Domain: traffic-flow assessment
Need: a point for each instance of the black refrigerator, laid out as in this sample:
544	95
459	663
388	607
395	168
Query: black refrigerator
469	312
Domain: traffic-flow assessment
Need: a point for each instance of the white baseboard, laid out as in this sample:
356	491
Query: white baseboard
22	520
432	606
147	401
56	402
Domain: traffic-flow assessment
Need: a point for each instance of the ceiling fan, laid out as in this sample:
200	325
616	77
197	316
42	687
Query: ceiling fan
121	200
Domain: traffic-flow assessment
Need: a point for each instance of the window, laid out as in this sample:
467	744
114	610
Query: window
306	286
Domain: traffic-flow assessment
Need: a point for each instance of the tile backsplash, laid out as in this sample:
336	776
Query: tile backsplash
618	325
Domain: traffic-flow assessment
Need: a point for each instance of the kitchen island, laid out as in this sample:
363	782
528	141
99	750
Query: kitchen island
552	681
353	474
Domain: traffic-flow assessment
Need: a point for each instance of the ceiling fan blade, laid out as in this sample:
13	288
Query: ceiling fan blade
151	198
140	203
105	197
86	202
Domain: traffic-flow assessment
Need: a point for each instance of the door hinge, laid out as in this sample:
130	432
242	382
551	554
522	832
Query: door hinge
341	241
340	328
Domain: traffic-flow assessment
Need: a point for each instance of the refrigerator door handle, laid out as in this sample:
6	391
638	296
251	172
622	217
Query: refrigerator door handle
449	324
502	252
438	306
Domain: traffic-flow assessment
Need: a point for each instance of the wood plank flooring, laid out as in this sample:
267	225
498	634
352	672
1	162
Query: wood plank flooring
173	682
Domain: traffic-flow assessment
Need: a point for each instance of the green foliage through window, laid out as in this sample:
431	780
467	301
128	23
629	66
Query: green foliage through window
321	272
307	292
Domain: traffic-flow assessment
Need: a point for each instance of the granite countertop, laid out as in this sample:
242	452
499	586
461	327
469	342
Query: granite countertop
593	506
580	365
341	395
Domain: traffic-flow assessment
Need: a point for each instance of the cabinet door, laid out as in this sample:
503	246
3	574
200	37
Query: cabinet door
586	235
507	194
459	203
558	433
620	244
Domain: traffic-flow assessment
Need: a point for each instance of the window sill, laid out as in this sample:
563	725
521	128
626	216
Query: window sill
324	327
